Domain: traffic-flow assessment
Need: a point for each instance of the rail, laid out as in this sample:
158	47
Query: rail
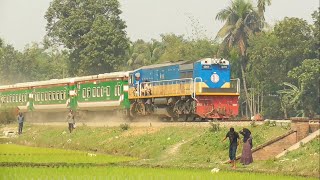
237	84
194	86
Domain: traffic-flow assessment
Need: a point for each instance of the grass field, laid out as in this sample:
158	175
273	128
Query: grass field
88	173
10	153
173	148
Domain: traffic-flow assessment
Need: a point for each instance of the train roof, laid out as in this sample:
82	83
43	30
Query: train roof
66	80
163	65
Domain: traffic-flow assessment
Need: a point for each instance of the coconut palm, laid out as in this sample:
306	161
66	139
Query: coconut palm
241	21
262	7
291	97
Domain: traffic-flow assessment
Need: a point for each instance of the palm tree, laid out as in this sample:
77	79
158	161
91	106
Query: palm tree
291	98
262	7
241	21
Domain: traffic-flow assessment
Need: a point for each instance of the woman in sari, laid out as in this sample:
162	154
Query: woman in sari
246	157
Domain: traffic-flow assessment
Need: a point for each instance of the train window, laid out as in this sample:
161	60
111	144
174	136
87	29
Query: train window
53	95
94	92
84	92
118	89
50	96
58	95
101	92
108	91
46	96
42	97
88	92
98	91
13	98
62	95
115	91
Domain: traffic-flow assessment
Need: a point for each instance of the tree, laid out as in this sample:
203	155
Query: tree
262	7
295	41
92	31
241	21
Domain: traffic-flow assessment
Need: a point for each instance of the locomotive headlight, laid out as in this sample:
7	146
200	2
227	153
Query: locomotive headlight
215	78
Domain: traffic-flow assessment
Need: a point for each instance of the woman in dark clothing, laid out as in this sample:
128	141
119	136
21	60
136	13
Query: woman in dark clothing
246	157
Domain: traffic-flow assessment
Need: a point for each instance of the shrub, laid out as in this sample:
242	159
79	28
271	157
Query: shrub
124	126
253	123
7	116
215	126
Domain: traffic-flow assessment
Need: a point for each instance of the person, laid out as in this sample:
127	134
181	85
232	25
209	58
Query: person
246	156
20	121
70	119
233	138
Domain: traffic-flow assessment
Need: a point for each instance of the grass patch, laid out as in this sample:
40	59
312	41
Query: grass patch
129	173
10	153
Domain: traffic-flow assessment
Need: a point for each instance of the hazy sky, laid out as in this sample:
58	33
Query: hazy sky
22	21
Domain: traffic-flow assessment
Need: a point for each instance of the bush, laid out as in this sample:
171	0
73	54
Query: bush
7	116
124	126
215	126
253	123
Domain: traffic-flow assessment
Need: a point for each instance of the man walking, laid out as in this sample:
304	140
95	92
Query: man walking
233	138
20	121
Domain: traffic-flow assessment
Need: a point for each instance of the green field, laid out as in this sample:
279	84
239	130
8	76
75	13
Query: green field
10	153
175	150
129	173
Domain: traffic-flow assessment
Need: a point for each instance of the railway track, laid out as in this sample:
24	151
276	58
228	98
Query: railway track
150	123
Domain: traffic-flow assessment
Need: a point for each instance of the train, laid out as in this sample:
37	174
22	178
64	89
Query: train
186	90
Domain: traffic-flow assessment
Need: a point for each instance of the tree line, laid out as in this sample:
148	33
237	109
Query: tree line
278	66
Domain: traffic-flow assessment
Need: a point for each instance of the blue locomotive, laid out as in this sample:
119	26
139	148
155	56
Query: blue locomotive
185	89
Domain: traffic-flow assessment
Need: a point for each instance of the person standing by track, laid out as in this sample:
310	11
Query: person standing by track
20	121
233	138
71	121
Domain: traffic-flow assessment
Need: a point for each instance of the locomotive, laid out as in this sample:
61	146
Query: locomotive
189	90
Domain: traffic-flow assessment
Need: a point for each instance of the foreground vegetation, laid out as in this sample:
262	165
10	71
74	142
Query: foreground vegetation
167	147
129	173
10	153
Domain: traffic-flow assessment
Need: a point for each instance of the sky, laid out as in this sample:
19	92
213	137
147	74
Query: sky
22	21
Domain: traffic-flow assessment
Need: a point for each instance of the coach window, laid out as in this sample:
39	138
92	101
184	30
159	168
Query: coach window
84	93
101	92
65	94
88	92
118	89
58	95
98	91
46	96
62	95
94	92
49	96
53	95
41	97
19	98
13	98
108	91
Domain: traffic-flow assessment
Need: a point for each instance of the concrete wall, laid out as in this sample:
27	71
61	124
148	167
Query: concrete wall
275	147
